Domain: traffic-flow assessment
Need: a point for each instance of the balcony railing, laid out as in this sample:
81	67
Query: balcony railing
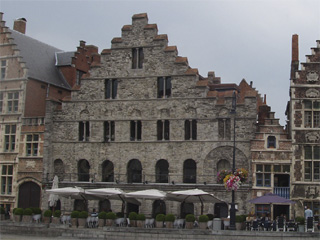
282	192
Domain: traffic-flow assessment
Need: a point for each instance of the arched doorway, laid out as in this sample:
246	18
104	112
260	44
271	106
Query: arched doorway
107	171
83	171
104	205
158	207
185	209
29	195
134	171
162	171
80	205
131	207
189	171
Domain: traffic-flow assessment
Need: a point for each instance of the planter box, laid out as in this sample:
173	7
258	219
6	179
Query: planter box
133	223
17	218
27	218
74	222
240	225
82	222
46	219
203	225
56	220
189	225
140	223
2	217
159	224
109	222
101	223
169	224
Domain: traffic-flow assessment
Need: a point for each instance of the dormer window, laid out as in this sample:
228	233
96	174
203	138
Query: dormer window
271	142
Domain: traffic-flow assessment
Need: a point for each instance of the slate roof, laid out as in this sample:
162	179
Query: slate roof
64	58
40	59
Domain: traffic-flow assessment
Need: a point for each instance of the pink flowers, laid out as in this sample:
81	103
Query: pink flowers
232	181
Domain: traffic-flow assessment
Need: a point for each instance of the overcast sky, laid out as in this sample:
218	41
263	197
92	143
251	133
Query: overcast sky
234	38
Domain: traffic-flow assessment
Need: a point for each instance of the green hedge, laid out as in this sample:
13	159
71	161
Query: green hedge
141	217
210	216
57	213
18	211
2	211
102	215
190	218
75	214
170	218
133	216
160	217
111	215
83	214
27	211
47	213
36	210
300	220
203	218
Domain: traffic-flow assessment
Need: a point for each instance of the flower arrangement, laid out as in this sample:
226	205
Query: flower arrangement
232	180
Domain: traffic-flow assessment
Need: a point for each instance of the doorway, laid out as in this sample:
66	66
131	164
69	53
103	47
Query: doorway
279	210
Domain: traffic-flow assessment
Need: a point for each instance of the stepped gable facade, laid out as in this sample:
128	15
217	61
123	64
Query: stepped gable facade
30	74
143	118
303	112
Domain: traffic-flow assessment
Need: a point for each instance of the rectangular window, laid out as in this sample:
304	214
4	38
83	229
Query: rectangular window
1	102
224	129
32	144
10	138
163	129
13	101
164	87
6	179
190	130
135	130
263	175
3	69
111	87
79	76
109	131
84	131
137	58
312	163
311	114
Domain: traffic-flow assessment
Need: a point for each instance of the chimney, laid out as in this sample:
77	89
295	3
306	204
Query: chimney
294	56
20	25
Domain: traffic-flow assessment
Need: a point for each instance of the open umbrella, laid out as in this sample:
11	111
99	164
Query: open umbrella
148	194
53	198
193	196
271	198
72	192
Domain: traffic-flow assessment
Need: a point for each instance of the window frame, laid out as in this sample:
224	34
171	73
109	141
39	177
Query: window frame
163	130
311	113
190	129
12	102
32	145
109	131
3	69
137	58
164	87
135	130
6	179
311	163
10	138
111	88
263	176
84	131
224	128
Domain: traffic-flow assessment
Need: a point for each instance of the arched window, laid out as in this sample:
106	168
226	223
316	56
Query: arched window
162	171
59	169
158	207
104	205
134	171
185	209
131	207
29	195
83	171
223	165
107	171
189	171
271	142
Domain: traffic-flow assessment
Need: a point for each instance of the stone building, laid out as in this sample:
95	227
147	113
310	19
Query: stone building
143	118
303	112
31	72
271	152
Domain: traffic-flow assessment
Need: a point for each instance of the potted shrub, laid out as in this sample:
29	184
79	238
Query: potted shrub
18	212
82	219
141	219
102	218
159	220
2	213
300	221
47	216
190	218
56	217
27	215
169	219
210	216
110	217
133	219
203	221
74	218
240	219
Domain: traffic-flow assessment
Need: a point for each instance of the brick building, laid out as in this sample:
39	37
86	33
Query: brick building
303	112
143	118
31	72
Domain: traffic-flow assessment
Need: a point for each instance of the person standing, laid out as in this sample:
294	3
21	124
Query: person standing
308	213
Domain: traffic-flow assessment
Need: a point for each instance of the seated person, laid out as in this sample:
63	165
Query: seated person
94	213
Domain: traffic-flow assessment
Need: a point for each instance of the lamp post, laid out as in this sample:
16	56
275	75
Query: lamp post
232	208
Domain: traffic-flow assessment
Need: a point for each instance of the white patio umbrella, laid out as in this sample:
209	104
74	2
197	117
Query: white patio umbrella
53	198
72	192
148	194
110	193
193	196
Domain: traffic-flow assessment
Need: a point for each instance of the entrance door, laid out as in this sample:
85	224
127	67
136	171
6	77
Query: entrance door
29	195
279	210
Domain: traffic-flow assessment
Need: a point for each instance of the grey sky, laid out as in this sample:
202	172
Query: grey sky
235	38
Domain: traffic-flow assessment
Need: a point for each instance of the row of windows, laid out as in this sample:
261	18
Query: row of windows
163	88
12	102
265	171
163	130
312	163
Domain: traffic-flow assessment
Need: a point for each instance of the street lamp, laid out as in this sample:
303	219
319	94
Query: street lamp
232	208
